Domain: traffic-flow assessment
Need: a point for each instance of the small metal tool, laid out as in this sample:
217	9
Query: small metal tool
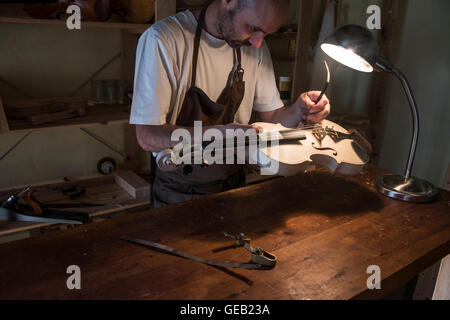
13	198
9	215
325	87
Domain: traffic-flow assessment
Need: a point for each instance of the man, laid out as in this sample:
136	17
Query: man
214	66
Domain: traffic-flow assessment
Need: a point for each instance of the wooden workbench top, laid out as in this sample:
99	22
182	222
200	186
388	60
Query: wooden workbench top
325	230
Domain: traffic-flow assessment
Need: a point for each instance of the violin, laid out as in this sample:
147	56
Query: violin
327	144
284	152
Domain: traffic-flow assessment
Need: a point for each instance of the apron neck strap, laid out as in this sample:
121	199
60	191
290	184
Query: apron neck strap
198	36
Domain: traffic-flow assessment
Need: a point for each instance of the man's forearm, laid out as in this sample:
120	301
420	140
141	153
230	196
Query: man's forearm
155	138
288	116
158	138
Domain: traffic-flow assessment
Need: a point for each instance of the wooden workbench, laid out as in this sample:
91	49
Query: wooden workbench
325	230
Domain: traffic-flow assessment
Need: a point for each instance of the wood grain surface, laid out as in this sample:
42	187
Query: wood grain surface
325	230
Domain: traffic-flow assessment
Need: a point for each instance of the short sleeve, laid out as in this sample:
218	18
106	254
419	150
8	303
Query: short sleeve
267	96
154	80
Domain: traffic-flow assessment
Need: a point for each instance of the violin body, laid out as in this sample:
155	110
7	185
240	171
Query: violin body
284	152
328	145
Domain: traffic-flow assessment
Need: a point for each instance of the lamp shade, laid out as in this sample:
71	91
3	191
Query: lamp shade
353	46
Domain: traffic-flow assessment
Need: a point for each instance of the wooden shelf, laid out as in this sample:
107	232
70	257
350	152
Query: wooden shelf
132	27
95	115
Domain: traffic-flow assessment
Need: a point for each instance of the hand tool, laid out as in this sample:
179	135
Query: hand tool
326	84
9	215
13	198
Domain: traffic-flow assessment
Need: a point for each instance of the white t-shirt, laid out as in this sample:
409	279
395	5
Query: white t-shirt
164	71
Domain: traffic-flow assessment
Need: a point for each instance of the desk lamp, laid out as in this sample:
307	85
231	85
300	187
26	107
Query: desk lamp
356	47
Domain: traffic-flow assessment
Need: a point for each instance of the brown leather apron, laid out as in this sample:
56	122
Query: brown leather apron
194	181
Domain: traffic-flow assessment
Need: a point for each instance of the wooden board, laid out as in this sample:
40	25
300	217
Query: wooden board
85	24
4	127
325	230
95	115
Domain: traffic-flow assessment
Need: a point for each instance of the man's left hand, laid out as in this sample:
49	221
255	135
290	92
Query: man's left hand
312	112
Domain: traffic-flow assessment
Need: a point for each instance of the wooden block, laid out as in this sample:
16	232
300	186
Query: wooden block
137	187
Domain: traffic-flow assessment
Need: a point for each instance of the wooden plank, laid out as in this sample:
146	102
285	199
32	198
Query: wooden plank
95	115
326	231
164	8
84	24
4	127
338	17
442	288
137	187
57	116
304	40
132	149
393	19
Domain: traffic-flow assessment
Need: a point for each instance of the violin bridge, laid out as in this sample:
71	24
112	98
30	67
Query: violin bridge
319	133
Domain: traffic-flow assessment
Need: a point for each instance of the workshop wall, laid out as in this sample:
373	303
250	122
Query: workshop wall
51	61
423	59
350	90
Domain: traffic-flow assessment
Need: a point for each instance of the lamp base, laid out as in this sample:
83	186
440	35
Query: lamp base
411	190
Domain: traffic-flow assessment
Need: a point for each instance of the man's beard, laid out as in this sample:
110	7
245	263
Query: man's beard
225	26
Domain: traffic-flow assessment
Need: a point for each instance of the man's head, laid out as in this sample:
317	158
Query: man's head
247	22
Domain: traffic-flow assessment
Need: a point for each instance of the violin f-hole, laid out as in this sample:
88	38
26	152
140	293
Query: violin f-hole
335	153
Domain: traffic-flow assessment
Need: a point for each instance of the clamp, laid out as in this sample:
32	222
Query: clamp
259	255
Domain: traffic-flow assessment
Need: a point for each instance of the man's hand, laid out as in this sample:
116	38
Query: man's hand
312	112
245	127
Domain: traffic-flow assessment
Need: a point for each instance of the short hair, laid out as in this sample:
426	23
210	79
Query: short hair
242	4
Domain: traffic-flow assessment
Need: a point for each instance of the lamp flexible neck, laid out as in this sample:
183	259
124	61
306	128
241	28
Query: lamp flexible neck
415	115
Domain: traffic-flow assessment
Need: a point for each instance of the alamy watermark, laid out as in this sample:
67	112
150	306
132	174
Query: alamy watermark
374	20
374	281
74	280
73	21
236	146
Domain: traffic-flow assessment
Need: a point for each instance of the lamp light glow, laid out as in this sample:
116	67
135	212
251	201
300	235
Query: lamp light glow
346	57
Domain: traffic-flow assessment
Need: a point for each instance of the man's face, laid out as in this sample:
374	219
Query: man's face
249	26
